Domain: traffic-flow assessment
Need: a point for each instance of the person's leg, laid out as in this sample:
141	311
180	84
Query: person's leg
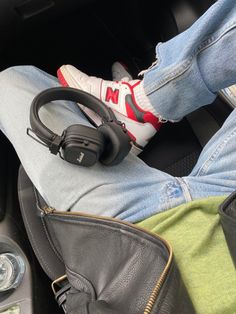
190	69
215	171
131	190
193	66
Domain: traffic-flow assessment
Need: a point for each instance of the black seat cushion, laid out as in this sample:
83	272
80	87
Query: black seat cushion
174	149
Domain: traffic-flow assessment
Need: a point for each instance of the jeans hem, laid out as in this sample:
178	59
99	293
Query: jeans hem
182	66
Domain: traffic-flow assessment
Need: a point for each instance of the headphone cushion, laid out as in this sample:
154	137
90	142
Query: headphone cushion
117	144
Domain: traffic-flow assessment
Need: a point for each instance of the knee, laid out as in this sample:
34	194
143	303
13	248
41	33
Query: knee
18	69
15	74
26	77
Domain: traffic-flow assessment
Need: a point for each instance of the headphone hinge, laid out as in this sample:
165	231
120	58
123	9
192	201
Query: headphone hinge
55	145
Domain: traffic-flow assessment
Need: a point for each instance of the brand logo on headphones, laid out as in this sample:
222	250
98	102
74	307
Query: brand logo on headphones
80	158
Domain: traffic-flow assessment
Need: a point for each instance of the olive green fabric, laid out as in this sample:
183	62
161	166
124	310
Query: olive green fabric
200	250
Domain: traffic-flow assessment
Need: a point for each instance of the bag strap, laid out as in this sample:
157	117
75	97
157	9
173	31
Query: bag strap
73	301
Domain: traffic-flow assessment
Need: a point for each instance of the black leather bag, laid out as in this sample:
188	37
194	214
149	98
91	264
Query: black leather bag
227	213
102	265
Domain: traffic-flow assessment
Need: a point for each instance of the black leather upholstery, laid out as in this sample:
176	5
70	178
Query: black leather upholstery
174	149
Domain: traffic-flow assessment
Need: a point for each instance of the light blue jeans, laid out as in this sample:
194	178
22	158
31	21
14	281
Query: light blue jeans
191	68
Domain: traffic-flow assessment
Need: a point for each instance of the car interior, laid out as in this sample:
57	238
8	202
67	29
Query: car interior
91	35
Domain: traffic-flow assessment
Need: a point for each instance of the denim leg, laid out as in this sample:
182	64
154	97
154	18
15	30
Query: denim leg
215	171
194	65
131	190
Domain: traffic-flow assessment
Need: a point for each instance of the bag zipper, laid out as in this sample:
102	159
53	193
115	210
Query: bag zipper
153	297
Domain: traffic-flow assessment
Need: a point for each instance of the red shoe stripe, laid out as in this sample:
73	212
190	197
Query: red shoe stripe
133	86
61	78
130	112
147	117
132	94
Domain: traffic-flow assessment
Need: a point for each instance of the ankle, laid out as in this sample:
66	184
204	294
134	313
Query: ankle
143	100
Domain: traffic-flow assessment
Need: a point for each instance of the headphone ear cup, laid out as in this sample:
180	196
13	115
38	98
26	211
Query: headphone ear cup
117	143
82	145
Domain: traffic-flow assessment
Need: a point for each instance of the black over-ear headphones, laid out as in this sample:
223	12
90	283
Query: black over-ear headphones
79	144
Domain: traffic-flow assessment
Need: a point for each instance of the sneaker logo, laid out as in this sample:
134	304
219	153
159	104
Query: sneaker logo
112	95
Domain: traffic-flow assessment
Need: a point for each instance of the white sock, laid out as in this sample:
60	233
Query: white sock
143	100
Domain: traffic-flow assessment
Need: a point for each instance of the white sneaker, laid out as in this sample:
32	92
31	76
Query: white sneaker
120	97
120	72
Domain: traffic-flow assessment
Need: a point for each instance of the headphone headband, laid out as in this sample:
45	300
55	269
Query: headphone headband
79	144
70	94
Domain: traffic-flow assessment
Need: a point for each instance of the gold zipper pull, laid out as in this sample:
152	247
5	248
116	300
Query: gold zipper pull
47	210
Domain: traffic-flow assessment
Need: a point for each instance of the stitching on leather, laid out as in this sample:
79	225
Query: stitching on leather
45	228
135	237
51	242
84	281
33	243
